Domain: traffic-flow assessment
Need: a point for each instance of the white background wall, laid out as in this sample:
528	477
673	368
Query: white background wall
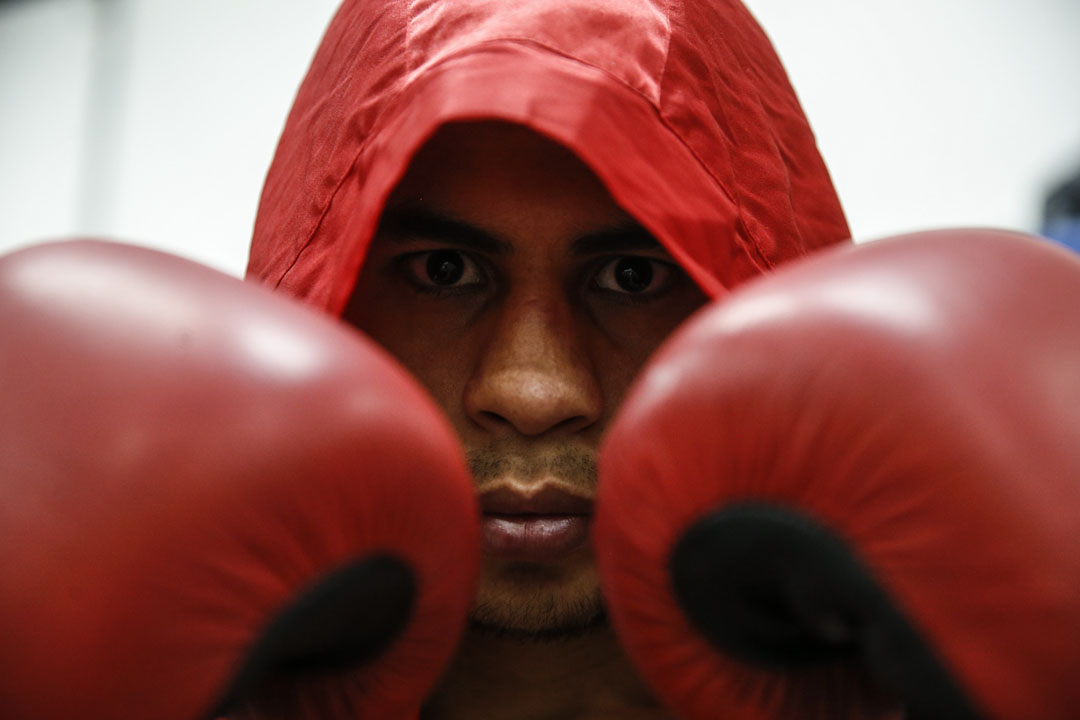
154	121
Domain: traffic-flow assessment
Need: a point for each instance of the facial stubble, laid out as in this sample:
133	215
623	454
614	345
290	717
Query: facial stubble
529	600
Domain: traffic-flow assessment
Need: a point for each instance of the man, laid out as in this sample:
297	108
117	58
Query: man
520	200
543	297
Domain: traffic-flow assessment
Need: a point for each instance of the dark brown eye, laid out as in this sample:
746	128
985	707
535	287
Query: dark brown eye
633	275
445	267
442	270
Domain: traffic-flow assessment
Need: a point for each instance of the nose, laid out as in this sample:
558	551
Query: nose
533	376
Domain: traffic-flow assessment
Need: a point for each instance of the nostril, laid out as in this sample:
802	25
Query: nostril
572	423
495	421
492	418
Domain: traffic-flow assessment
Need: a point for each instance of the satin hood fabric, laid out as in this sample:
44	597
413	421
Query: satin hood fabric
681	108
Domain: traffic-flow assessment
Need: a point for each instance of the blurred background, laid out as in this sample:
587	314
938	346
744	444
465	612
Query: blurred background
154	121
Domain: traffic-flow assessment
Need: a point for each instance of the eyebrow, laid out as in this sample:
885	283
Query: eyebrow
404	223
627	237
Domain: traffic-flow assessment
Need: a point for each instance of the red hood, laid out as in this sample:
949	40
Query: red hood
680	107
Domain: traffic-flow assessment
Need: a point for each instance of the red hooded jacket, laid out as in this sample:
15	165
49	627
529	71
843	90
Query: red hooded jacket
681	108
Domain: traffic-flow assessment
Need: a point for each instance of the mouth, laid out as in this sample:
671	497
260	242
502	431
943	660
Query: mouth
534	526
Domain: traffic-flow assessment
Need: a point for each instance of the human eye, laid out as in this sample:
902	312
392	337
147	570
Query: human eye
442	271
635	277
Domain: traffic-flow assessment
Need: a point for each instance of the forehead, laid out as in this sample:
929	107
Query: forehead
507	180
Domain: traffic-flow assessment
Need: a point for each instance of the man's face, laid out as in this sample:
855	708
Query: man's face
505	277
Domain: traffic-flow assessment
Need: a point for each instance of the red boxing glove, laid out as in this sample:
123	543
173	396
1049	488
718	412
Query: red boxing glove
214	501
866	465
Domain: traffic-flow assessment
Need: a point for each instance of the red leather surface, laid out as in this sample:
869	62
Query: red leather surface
921	397
180	454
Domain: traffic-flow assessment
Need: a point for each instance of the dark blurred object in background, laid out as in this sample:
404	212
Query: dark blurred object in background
1061	214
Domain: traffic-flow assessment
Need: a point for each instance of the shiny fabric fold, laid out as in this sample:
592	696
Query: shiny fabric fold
682	109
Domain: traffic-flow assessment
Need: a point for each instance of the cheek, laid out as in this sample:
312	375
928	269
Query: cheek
441	368
434	350
616	361
616	379
629	338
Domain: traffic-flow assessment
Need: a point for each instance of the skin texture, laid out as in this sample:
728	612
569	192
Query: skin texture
530	350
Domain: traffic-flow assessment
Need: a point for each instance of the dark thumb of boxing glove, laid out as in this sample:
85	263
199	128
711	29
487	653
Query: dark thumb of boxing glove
214	501
859	479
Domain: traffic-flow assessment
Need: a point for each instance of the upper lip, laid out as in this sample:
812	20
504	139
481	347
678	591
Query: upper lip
545	501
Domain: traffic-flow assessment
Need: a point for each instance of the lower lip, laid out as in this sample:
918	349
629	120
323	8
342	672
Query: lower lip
534	538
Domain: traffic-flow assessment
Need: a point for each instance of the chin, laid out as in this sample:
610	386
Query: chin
538	601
